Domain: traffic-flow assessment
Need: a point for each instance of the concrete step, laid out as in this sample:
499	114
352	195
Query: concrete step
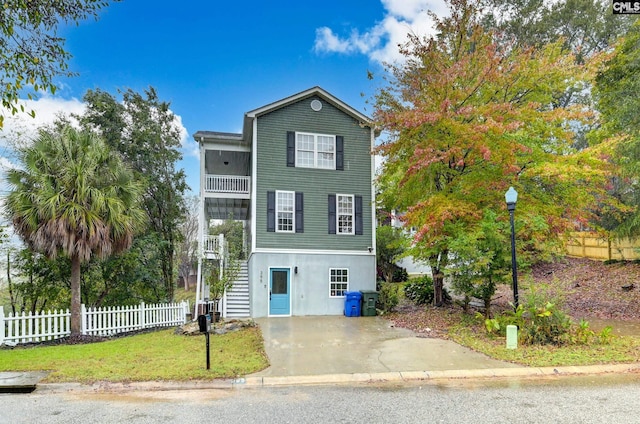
20	382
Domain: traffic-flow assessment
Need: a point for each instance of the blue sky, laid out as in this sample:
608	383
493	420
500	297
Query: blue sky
214	61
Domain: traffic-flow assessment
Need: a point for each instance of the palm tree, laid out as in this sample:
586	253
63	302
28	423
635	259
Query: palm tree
74	196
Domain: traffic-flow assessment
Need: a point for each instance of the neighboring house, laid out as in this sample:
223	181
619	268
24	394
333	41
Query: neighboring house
300	177
413	268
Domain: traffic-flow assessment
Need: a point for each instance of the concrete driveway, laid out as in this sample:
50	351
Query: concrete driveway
316	345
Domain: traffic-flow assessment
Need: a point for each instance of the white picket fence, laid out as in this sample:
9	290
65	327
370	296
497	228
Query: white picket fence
104	321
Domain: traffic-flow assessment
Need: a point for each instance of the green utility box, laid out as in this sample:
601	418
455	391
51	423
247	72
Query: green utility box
369	299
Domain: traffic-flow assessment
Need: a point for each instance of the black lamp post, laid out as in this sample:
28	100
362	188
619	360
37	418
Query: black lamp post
511	196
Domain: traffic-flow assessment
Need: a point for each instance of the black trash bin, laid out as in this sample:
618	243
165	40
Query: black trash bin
369	299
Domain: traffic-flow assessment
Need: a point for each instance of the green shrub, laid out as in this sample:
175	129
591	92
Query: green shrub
400	275
420	290
544	324
541	321
388	297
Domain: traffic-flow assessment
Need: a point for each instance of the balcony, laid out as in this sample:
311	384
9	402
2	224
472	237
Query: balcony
213	246
229	184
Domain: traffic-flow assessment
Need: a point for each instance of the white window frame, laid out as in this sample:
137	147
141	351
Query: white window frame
334	281
316	151
352	215
280	209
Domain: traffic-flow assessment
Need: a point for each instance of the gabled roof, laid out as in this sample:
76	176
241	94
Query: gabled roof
246	135
315	91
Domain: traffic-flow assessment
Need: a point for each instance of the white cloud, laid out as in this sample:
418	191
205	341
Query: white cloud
380	42
22	127
326	40
189	145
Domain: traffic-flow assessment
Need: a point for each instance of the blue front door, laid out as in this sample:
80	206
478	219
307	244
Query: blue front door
279	291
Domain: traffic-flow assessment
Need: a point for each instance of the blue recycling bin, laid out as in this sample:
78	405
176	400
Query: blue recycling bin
352	303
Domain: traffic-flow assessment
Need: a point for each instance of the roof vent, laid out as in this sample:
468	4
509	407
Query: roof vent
316	105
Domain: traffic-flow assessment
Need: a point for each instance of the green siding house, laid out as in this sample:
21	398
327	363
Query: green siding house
300	178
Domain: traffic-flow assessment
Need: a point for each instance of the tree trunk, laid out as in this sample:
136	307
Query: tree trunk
438	285
76	324
487	307
10	283
388	276
438	263
167	271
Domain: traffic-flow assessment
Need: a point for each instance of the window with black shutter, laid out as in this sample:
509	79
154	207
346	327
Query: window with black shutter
332	214
271	211
299	212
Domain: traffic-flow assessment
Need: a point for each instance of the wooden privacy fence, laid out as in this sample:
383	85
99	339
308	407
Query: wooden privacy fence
595	246
105	321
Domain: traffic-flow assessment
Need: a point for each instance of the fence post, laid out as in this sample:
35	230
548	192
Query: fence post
1	325
142	315
83	319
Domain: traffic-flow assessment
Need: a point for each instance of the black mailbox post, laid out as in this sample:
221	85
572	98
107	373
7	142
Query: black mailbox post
204	324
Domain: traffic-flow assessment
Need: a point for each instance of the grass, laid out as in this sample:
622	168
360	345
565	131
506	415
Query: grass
159	355
182	294
620	349
467	330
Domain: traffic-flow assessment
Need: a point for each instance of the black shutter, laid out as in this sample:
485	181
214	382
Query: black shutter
291	148
339	153
358	206
271	211
299	212
332	214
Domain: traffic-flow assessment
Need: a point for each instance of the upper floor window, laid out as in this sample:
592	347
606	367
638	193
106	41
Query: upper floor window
315	151
285	208
345	213
285	211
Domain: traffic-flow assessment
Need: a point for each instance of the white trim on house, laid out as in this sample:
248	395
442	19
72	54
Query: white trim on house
254	185
373	194
315	252
308	93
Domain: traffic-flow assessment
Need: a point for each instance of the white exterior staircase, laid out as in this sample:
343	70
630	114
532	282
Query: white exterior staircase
236	299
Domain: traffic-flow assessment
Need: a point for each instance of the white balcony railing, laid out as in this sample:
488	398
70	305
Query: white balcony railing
213	244
226	184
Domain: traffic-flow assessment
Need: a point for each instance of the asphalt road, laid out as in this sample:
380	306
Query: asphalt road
590	399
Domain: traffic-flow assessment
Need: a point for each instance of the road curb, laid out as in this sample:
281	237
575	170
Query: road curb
340	379
401	376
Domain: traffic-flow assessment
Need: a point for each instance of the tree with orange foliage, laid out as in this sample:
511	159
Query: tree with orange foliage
467	117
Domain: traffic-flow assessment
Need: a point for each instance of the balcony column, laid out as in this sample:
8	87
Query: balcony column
201	221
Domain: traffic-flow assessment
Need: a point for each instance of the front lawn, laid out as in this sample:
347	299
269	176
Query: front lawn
158	355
